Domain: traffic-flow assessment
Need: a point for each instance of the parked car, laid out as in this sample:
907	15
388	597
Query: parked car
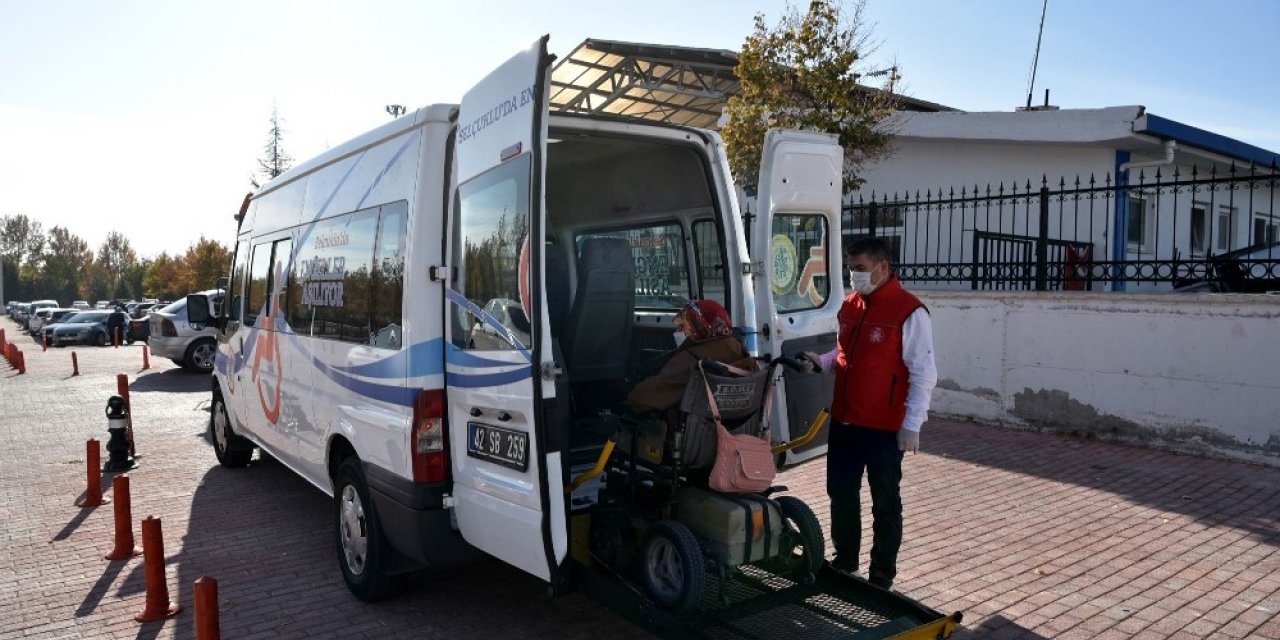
86	327
81	305
37	305
42	317
141	309
139	329
102	304
46	330
510	316
20	311
191	346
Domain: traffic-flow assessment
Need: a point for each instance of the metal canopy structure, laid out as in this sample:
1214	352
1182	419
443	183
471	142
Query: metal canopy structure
677	85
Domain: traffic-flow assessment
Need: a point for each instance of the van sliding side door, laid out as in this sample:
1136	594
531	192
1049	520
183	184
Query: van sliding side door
508	488
799	293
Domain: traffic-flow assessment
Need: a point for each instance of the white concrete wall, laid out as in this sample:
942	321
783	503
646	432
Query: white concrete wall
1191	372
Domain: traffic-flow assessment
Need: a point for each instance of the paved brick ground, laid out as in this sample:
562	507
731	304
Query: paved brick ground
1030	535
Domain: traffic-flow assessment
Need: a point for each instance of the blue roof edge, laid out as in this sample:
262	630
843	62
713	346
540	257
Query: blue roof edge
1207	140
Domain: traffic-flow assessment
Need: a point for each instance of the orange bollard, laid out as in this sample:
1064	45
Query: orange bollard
122	389
125	547
75	365
44	342
158	605
115	338
2	336
22	362
206	596
93	492
146	357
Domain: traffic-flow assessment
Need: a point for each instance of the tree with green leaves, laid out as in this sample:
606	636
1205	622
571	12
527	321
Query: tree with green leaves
205	262
805	73
64	264
275	160
114	256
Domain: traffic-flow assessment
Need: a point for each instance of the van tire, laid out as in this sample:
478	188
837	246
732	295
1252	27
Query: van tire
199	356
672	568
362	548
233	451
803	557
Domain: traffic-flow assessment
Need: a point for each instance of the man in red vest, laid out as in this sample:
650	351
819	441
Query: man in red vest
885	374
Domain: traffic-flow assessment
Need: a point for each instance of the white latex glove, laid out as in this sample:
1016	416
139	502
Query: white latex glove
813	360
908	441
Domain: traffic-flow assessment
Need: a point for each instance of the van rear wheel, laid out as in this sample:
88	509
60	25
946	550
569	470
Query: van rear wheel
233	451
362	548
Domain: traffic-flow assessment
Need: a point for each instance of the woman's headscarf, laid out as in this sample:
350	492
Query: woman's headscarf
706	319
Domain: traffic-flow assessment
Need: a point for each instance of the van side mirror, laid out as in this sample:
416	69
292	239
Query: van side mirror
223	283
198	309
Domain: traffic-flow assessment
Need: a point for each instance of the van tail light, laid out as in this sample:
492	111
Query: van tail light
430	458
167	329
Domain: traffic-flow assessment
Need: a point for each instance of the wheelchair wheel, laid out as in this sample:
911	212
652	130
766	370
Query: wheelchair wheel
671	566
802	555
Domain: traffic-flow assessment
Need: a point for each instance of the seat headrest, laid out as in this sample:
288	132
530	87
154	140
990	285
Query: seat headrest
601	252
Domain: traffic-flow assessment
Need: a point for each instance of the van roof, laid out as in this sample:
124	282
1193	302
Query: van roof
431	113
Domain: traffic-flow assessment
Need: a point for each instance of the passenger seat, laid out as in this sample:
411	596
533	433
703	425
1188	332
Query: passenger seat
598	339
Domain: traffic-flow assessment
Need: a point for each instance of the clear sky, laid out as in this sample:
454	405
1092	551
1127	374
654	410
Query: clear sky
147	117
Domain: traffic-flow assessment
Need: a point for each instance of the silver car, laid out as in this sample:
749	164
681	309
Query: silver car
192	346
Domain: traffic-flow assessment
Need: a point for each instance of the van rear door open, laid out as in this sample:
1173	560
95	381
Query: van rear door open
799	294
507	482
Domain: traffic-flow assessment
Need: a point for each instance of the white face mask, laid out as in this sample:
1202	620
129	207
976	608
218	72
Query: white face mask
679	336
861	281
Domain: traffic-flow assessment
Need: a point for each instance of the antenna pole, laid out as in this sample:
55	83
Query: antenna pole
1035	60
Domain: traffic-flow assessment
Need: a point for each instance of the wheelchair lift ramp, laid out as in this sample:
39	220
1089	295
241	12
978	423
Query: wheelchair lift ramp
764	606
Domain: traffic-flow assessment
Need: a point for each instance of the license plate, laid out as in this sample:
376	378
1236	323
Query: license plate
507	447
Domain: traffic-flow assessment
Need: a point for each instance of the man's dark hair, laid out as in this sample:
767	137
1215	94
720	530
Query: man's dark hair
869	246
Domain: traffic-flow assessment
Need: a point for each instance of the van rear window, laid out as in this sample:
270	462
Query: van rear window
657	255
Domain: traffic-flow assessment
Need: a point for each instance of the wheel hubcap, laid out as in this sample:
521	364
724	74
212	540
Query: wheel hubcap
351	528
203	356
665	567
220	426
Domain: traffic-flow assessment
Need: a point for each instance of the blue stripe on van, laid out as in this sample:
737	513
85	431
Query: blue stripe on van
475	380
394	394
421	359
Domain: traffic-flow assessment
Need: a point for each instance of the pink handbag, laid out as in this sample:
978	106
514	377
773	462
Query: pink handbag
744	463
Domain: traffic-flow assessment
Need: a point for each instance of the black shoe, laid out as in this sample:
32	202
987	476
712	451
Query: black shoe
883	583
850	568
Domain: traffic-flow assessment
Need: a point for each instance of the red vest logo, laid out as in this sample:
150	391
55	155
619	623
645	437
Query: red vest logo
877	335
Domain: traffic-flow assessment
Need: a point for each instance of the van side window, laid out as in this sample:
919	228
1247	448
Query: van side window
709	257
287	292
334	269
798	264
490	230
657	251
256	290
387	282
241	263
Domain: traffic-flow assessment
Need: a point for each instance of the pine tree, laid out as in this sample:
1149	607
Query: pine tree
275	160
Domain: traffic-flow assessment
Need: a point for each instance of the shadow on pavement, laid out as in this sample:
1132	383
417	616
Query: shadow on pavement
266	535
997	627
1214	492
170	380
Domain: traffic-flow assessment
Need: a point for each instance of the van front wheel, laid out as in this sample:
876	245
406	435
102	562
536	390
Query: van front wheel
362	549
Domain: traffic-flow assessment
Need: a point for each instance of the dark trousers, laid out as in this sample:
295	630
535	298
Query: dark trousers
851	449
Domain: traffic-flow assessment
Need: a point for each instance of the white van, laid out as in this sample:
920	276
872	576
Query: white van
357	350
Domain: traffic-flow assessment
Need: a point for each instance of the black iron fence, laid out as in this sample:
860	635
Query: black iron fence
1214	228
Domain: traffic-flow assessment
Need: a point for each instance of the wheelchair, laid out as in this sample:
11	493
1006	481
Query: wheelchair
657	522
